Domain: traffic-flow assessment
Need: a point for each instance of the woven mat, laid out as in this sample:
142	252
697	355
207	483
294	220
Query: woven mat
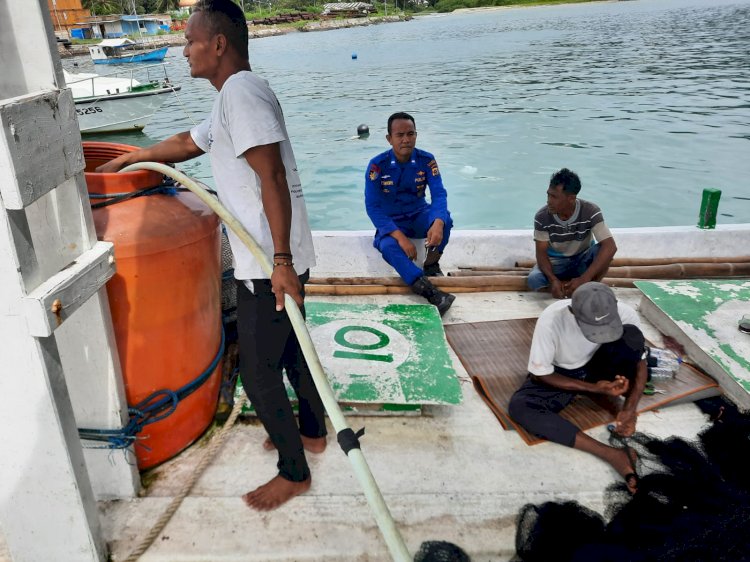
495	354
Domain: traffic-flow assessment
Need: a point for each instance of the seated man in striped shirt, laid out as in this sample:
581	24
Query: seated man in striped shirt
573	244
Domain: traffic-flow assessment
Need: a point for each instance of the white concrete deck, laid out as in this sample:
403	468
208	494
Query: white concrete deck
452	474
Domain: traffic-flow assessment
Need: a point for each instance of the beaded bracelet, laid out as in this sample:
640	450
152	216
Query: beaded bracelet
287	263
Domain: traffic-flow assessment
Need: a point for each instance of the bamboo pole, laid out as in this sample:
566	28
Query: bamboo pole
386	281
516	281
473	272
681	270
617	262
661	271
493	268
512	281
390	290
506	284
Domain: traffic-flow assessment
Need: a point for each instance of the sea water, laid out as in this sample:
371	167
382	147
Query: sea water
648	100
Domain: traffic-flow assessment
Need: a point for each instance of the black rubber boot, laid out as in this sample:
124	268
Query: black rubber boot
441	300
433	270
431	266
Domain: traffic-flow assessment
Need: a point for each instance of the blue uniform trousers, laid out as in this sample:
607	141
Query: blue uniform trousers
414	225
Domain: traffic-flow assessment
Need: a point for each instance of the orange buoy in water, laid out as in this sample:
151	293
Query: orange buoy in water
165	298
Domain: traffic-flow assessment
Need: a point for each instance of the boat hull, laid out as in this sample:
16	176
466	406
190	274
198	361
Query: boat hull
157	55
122	112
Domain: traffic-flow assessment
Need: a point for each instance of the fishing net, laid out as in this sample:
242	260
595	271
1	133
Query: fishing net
692	504
228	285
440	551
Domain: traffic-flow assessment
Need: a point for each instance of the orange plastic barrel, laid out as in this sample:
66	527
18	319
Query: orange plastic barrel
165	298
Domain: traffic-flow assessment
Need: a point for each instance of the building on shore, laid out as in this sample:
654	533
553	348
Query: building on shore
347	10
65	15
71	20
119	25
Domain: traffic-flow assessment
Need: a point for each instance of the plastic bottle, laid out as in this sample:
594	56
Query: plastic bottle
661	373
665	359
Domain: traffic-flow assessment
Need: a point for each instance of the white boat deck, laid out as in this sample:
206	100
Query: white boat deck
451	474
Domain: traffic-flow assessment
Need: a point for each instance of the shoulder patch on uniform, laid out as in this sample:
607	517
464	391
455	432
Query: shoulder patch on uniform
374	172
434	167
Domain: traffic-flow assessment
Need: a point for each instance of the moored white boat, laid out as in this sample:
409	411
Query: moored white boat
117	101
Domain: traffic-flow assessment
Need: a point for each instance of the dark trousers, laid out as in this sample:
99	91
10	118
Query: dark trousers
267	346
536	406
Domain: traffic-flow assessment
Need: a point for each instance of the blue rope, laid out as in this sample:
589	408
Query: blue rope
153	408
229	386
158	190
112	198
168	186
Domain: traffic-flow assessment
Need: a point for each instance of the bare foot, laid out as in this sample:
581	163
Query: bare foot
624	463
275	492
311	444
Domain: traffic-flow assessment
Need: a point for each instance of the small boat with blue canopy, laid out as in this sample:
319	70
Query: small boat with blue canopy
122	50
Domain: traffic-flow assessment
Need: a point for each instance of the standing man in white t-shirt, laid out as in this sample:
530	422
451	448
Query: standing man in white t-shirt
257	181
592	344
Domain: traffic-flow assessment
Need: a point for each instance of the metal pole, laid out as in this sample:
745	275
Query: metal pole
57	16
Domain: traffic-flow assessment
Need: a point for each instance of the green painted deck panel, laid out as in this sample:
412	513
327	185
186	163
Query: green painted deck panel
708	312
395	355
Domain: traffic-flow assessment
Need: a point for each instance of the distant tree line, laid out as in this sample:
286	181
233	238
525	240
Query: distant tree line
106	7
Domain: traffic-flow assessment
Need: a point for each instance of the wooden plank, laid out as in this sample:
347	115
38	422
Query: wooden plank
41	144
56	299
702	316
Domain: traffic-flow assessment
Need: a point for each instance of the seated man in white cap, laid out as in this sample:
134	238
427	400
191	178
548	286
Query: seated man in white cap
592	344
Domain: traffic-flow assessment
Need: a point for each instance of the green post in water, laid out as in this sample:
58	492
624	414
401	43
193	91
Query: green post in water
709	208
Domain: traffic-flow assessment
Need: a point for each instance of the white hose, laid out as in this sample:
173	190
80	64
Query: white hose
388	528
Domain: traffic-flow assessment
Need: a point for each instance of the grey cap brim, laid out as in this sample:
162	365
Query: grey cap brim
602	333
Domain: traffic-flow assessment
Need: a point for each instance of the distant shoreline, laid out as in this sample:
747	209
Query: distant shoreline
261	31
258	31
540	4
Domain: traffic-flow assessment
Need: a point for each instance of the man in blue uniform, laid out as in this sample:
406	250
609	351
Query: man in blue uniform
395	185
